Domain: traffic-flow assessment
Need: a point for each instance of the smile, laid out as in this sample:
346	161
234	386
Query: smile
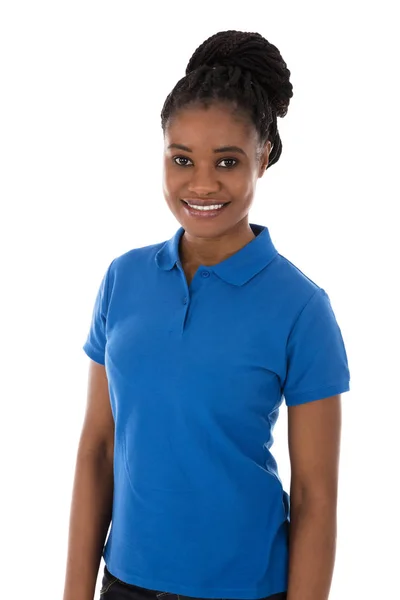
212	210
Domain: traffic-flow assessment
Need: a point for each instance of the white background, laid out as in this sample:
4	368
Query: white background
82	87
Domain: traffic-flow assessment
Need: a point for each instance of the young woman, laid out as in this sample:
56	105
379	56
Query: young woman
194	343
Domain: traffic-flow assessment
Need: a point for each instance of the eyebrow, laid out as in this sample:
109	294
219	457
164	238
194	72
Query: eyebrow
222	149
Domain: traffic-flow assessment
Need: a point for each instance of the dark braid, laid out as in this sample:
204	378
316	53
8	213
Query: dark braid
242	68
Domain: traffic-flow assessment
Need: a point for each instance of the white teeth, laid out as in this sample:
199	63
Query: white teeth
211	207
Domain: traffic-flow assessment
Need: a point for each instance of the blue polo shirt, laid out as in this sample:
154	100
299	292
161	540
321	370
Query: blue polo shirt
197	375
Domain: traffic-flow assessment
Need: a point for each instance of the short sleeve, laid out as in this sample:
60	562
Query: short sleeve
95	344
316	357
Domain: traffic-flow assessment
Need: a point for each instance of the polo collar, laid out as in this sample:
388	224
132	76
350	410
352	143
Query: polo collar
237	269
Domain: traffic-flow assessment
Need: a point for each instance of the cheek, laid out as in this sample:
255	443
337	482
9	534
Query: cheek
171	180
240	184
167	181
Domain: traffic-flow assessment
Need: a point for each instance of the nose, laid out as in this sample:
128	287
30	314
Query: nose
203	182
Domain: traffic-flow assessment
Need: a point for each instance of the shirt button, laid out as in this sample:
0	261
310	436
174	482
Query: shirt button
185	300
205	273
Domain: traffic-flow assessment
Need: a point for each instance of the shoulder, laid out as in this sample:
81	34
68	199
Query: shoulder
134	260
136	255
293	288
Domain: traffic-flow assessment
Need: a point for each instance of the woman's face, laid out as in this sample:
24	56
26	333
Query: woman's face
199	165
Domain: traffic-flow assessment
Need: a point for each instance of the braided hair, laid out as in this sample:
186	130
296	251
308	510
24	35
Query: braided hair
243	69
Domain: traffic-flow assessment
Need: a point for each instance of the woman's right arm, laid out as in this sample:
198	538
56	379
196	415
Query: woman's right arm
91	507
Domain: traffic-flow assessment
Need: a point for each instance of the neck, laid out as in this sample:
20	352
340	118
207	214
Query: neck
195	250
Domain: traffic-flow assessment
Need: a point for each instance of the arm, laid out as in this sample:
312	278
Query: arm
91	507
314	449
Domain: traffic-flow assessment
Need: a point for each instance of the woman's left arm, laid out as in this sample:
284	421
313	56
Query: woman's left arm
314	430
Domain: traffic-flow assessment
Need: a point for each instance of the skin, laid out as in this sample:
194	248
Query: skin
314	431
314	428
92	497
202	173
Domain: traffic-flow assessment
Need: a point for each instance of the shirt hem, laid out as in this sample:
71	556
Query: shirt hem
91	353
211	593
318	394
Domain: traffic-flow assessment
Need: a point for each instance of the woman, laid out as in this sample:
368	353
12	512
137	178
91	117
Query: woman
194	343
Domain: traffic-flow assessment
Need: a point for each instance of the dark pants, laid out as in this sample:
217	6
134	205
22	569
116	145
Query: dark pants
113	588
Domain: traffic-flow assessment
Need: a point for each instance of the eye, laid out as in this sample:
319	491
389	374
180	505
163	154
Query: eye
175	158
234	160
230	160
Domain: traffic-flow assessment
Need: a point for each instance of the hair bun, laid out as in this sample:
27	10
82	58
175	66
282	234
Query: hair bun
249	52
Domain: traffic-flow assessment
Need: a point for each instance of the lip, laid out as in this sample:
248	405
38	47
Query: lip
203	202
204	215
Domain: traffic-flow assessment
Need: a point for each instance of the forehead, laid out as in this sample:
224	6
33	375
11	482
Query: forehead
213	125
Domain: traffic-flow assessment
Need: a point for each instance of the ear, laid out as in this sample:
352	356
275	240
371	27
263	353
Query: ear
264	158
